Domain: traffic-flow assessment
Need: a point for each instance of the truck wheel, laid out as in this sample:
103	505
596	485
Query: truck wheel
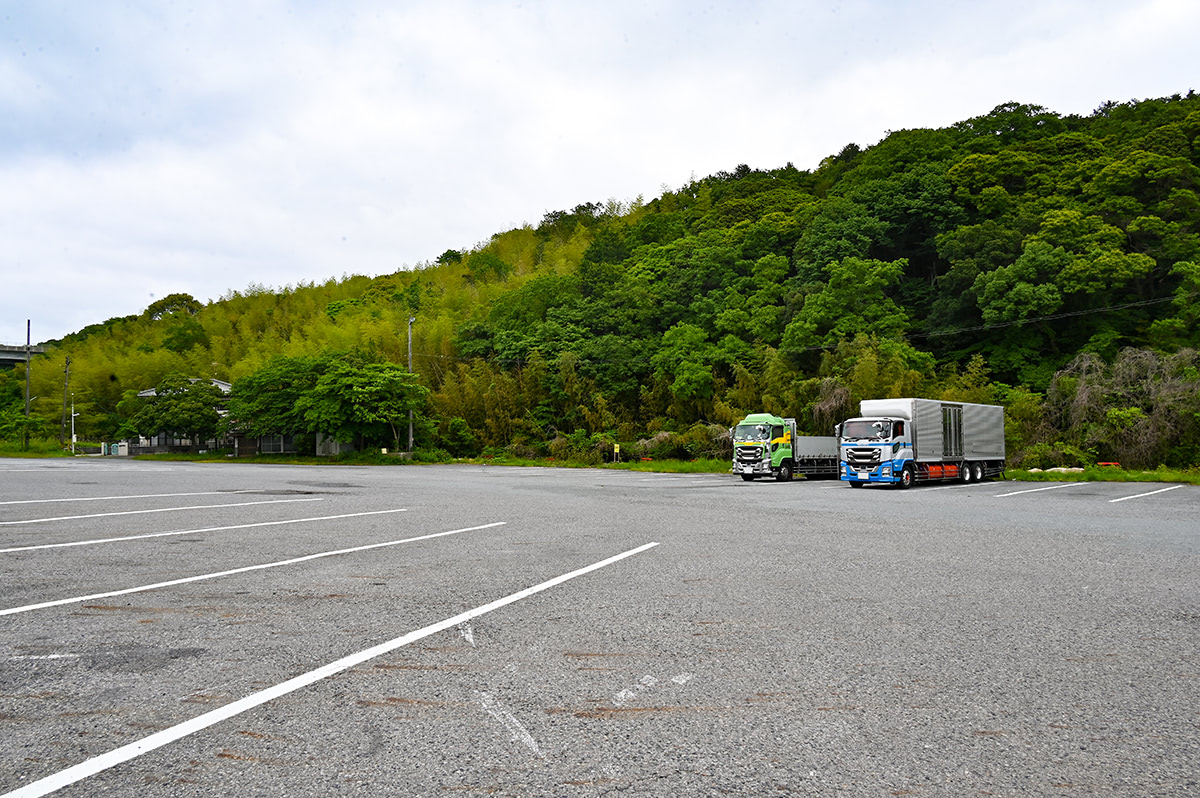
964	471
747	477
906	478
977	472
784	474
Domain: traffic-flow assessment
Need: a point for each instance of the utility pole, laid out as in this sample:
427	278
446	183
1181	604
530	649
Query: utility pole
411	319
62	435
25	447
73	414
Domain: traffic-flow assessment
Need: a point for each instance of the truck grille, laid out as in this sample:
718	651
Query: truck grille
866	456
748	454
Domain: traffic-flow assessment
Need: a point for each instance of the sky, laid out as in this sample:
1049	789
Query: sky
150	148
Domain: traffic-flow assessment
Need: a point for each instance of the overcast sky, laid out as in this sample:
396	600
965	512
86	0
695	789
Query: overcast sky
150	147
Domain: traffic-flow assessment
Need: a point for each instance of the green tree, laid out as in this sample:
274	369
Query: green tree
267	402
685	359
1183	329
185	334
173	304
838	229
854	300
362	403
185	407
15	425
1024	289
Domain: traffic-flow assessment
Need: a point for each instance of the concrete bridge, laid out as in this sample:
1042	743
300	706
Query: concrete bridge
15	355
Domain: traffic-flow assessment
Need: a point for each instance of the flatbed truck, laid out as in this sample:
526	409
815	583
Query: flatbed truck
766	445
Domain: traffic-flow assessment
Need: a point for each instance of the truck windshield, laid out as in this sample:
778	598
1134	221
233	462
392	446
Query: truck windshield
860	429
751	433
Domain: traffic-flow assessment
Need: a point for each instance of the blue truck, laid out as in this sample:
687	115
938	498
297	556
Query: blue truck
903	441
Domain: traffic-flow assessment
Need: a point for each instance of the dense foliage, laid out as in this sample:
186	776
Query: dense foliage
1050	263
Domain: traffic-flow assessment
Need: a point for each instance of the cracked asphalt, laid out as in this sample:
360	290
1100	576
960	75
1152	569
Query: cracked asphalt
464	630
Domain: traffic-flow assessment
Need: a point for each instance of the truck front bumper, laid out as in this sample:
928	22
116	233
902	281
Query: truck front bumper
885	472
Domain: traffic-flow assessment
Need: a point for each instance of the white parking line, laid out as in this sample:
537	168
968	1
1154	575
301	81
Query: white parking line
133	750
717	479
1035	490
61	469
1140	495
157	510
195	531
246	569
136	496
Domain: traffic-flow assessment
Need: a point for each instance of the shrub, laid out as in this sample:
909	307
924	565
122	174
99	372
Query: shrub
456	436
1053	455
519	451
431	456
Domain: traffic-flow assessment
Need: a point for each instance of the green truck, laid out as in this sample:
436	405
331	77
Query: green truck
766	445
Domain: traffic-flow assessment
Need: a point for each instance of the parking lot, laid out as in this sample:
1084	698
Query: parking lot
176	629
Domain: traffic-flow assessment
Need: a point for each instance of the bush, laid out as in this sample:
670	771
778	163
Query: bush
520	450
456	436
1053	455
431	456
708	442
579	447
664	446
633	452
701	442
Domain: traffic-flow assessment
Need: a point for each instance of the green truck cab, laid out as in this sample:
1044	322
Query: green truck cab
766	445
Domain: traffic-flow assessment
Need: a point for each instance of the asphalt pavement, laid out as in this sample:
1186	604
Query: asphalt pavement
179	629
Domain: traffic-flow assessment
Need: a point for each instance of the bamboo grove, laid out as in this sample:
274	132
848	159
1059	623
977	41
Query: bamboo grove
1048	263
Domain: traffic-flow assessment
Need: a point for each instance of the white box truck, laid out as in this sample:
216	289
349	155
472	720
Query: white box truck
902	441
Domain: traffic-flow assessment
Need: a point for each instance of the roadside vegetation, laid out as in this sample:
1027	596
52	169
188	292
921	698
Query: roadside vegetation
1108	474
1046	263
51	448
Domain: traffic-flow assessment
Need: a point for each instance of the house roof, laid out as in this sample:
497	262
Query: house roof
224	386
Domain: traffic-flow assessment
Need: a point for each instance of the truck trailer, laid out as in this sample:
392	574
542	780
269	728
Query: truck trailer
902	441
766	445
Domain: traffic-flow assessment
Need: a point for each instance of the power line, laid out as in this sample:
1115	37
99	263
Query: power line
1035	319
822	348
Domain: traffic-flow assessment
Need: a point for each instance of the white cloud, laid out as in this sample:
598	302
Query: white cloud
155	148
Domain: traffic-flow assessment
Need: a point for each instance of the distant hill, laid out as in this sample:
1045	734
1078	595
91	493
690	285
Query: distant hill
978	259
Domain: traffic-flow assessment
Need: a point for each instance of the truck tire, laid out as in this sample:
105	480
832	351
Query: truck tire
784	474
906	478
964	471
747	477
977	472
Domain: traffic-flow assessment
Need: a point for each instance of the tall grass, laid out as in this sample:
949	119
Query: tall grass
44	447
1109	474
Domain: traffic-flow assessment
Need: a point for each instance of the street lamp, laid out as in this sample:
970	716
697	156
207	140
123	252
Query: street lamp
73	414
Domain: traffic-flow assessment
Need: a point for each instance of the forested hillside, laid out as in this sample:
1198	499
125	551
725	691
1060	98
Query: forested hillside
1049	263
